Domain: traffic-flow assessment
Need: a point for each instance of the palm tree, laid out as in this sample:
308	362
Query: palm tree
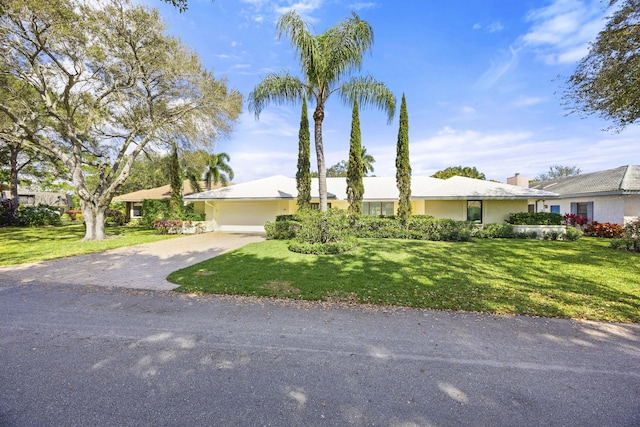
326	60
218	171
367	162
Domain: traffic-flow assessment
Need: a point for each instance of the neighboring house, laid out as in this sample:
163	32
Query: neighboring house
247	206
133	201
611	195
34	198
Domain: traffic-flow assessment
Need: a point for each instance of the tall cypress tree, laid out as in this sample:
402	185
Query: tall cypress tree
176	203
355	187
303	176
403	167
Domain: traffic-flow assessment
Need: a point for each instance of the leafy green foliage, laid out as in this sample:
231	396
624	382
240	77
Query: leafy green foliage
494	231
558	171
630	240
355	169
535	218
37	216
403	167
153	210
303	174
469	172
606	80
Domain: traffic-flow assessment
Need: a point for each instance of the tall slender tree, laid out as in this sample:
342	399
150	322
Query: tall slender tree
176	203
326	61
303	175
403	167
355	186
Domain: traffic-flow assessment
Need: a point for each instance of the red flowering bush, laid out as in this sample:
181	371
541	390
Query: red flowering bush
73	214
574	220
607	229
168	226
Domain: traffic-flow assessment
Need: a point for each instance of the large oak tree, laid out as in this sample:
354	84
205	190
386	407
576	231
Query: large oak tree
110	84
606	81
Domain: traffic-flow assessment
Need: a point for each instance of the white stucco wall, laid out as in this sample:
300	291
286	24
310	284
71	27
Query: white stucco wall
612	209
492	210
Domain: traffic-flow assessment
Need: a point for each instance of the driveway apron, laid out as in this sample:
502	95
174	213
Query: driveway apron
136	267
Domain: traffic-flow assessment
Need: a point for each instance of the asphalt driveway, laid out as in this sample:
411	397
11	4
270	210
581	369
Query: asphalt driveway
136	267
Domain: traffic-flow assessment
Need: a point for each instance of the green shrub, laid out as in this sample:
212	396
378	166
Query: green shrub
330	248
115	217
551	235
631	238
37	216
419	227
534	218
281	230
494	231
153	210
572	234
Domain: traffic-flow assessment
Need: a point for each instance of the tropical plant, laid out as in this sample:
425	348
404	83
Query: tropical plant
403	167
218	170
326	61
367	162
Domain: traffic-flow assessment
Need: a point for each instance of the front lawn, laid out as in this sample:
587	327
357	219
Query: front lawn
21	245
583	279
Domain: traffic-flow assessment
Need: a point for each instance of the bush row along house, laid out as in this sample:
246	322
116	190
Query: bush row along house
247	206
607	196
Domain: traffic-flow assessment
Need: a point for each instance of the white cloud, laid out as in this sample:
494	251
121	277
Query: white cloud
495	27
498	68
560	33
527	101
476	26
362	5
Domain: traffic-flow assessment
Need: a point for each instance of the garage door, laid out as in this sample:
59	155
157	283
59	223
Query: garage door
246	216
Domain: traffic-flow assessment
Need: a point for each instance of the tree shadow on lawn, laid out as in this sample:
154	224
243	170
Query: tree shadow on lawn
551	279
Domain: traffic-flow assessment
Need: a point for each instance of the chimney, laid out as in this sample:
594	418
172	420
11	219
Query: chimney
518	180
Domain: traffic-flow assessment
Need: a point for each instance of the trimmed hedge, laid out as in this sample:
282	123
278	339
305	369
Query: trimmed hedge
535	218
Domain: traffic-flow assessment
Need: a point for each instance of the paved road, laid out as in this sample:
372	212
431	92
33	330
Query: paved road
74	355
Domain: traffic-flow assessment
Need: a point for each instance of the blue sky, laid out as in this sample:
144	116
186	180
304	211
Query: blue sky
482	81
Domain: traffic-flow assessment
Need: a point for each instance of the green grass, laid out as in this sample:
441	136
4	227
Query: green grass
22	245
583	279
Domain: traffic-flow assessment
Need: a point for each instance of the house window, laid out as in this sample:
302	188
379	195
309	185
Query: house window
474	211
555	209
531	208
583	209
377	208
316	206
136	210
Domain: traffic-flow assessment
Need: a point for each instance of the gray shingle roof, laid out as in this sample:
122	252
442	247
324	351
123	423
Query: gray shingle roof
624	179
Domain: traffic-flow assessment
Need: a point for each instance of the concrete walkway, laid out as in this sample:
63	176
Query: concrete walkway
136	267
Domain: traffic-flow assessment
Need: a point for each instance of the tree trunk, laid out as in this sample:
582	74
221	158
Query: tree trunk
318	117
94	221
